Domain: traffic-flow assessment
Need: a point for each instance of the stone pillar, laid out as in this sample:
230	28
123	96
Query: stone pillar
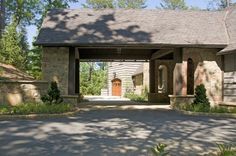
55	66
152	76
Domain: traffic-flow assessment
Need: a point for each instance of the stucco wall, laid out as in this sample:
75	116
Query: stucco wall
207	71
55	66
16	92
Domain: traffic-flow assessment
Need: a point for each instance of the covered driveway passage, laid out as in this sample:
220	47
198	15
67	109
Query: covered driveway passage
175	43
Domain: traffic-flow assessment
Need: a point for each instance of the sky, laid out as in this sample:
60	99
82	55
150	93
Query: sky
151	4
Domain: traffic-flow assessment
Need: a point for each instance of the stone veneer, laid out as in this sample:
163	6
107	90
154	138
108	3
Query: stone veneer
16	92
208	71
55	66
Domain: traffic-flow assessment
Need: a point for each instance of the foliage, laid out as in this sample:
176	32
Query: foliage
136	97
101	4
201	108
22	11
92	78
33	65
53	95
201	101
35	108
134	4
159	150
174	4
219	4
226	150
44	5
13	47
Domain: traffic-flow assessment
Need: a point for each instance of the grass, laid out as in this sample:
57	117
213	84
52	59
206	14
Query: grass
35	108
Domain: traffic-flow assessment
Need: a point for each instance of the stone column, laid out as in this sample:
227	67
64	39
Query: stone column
55	64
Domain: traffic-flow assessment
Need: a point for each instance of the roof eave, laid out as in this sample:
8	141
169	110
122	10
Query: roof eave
145	45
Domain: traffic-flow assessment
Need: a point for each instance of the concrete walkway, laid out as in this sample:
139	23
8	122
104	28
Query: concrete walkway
115	133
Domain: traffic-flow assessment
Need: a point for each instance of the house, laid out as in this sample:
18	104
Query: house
126	77
184	49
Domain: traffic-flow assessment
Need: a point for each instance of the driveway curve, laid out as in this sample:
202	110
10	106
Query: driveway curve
115	132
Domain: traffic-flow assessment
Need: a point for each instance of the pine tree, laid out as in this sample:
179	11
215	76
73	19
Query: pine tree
53	95
200	96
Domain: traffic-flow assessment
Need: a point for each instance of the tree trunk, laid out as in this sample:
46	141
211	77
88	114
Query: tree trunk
2	18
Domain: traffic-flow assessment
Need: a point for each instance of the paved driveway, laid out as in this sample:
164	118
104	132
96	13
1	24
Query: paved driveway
115	132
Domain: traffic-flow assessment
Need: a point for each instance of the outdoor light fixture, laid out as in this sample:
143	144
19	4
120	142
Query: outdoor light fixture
114	74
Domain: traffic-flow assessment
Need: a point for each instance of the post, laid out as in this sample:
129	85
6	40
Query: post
152	76
71	74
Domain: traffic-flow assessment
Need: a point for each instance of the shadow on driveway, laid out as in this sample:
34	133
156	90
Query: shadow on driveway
115	132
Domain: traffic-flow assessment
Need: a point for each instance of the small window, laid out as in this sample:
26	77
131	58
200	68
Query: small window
162	79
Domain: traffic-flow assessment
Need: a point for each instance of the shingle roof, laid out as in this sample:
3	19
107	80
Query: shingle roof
128	27
230	24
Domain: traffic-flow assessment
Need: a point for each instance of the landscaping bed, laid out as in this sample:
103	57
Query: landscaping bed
201	106
36	108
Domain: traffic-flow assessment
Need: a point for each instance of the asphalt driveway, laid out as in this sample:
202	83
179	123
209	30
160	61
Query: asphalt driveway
115	132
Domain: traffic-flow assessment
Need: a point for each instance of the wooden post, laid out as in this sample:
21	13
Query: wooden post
152	76
71	75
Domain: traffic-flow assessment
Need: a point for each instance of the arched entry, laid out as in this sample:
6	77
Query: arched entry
116	87
162	79
190	77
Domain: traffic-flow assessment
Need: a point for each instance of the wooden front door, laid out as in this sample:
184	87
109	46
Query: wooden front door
116	87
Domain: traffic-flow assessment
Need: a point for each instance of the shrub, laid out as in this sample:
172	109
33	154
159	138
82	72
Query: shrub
159	150
201	98
53	95
226	150
135	97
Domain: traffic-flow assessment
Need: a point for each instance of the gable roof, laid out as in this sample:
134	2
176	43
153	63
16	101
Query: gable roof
230	24
68	27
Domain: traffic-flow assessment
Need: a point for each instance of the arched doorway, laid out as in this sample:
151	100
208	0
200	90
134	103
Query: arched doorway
190	77
116	87
162	79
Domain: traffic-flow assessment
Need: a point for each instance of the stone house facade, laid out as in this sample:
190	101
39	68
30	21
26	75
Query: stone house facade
184	49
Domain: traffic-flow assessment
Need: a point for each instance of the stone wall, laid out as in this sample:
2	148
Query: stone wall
55	66
207	71
16	92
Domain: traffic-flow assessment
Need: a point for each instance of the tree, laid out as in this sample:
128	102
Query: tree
91	83
99	4
174	4
33	65
133	4
2	17
102	4
45	5
219	4
22	11
12	48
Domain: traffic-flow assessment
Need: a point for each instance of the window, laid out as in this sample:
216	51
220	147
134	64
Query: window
162	79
